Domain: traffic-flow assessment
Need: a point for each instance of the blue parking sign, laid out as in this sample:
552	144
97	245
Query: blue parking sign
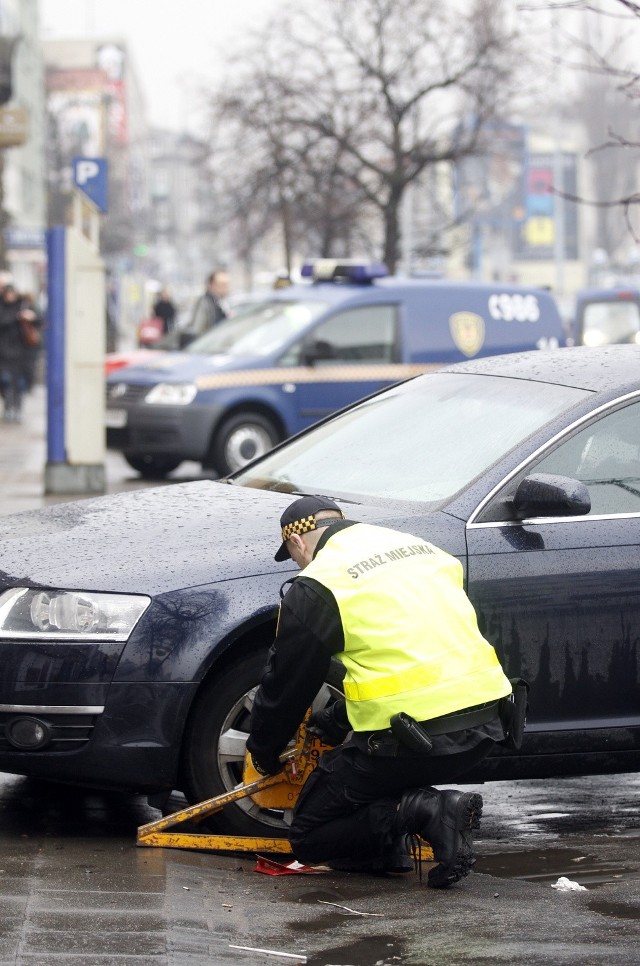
90	176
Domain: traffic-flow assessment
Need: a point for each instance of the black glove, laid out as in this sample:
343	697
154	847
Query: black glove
331	724
264	767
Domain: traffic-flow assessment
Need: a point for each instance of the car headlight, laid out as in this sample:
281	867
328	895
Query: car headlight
594	337
73	615
171	394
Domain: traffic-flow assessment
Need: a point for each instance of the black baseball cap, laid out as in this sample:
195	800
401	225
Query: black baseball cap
299	517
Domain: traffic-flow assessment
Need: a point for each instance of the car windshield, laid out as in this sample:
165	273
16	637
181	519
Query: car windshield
421	441
259	331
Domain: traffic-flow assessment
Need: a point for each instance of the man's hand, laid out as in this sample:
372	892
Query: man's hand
264	768
331	724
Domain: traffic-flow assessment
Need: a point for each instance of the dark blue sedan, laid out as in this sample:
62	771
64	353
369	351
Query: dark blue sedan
133	628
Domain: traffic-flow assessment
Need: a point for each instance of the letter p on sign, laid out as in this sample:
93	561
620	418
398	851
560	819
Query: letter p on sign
85	171
90	177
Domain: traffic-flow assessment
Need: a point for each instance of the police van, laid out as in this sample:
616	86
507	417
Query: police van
303	353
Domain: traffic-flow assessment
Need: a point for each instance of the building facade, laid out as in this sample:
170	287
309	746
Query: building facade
95	109
22	149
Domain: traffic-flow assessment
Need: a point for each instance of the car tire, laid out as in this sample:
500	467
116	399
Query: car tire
214	748
152	467
240	439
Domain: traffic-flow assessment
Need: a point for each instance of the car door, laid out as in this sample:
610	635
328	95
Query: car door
342	359
560	597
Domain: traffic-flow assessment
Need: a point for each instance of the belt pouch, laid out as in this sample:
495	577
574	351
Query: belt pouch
410	734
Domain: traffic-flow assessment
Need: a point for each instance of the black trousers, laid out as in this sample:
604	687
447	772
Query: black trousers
347	807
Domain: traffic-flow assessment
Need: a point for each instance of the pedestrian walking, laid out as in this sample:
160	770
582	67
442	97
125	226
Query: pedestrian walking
165	309
423	694
15	346
31	324
208	310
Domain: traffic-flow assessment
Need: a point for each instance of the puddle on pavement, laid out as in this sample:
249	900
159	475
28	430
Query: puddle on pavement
547	865
322	924
333	906
381	950
616	910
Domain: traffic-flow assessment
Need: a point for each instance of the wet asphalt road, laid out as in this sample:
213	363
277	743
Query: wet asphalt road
75	889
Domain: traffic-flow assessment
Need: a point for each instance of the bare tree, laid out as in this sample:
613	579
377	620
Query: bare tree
610	119
252	163
274	173
608	104
348	102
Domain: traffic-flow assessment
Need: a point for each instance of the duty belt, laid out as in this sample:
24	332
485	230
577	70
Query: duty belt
384	742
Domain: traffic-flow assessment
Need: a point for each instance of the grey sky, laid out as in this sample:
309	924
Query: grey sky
173	44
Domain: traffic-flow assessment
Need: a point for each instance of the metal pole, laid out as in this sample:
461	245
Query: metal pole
558	169
558	211
56	310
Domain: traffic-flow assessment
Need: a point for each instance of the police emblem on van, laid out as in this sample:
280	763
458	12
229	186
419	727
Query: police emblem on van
467	331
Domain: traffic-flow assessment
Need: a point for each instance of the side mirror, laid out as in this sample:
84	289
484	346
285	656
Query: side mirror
314	352
547	495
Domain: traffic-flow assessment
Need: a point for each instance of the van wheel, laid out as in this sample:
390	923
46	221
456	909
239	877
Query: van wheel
214	748
152	467
240	439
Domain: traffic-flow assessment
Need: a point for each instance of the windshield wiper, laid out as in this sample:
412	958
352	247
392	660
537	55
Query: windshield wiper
623	484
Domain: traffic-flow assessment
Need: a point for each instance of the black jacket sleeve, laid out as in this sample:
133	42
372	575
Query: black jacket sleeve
309	633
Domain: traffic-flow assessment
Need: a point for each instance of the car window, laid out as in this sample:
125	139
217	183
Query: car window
260	331
363	335
606	458
421	441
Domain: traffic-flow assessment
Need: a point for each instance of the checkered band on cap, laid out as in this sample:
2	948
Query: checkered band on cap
299	526
301	517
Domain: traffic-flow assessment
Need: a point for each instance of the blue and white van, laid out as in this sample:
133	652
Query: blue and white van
305	352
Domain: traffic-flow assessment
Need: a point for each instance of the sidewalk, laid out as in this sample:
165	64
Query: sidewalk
23	454
23	457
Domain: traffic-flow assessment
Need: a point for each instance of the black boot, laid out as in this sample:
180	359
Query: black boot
396	857
446	820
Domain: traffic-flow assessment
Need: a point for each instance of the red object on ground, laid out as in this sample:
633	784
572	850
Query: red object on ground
269	867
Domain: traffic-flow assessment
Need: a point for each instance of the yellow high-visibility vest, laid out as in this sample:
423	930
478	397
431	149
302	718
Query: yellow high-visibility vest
411	634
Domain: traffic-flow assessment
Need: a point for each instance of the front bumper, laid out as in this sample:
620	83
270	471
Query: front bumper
130	745
95	730
183	432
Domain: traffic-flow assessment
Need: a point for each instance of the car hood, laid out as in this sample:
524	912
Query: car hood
155	540
181	367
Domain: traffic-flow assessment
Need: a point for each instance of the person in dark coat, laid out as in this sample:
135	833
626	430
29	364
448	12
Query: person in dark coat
33	344
165	309
14	357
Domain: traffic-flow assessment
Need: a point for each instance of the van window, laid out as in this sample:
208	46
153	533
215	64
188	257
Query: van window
363	335
610	322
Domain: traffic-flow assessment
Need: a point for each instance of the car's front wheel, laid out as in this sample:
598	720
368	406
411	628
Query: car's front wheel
242	438
214	748
151	466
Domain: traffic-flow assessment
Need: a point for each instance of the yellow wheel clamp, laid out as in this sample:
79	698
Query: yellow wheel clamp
279	792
